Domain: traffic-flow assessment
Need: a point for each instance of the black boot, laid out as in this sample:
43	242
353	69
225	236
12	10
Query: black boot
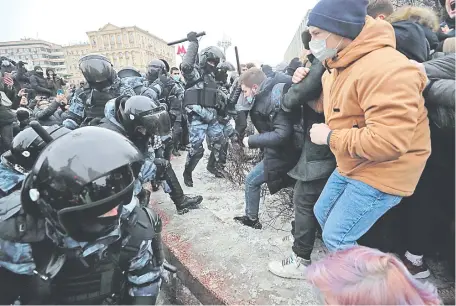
190	166
211	165
183	202
220	164
144	197
155	185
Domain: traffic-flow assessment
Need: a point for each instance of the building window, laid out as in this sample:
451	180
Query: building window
113	39
119	39
132	37
94	41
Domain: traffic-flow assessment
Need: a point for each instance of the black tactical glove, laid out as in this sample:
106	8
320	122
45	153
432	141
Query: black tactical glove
192	37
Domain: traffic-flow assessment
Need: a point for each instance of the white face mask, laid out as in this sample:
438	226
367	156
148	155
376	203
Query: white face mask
321	51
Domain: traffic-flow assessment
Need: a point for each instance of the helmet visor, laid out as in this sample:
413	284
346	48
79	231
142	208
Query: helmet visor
156	121
95	211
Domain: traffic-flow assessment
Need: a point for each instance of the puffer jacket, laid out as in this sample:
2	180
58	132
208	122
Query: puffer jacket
51	115
440	92
316	162
40	85
276	130
440	101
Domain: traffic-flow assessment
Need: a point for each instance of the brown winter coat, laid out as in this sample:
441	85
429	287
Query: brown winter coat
373	104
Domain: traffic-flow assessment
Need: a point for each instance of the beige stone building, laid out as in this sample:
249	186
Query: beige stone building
128	46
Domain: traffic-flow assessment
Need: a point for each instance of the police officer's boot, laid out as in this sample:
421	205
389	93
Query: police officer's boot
144	197
183	202
220	164
190	165
155	185
211	164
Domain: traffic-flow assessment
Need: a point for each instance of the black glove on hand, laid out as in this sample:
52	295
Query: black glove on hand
192	37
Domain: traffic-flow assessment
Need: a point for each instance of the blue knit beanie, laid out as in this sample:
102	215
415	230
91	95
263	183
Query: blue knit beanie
345	18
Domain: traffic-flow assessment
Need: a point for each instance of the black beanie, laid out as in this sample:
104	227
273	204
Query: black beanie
345	18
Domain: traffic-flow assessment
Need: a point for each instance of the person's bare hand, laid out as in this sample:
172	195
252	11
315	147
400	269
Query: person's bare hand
21	92
61	99
300	74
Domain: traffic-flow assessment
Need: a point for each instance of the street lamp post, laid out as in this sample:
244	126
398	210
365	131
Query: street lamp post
225	43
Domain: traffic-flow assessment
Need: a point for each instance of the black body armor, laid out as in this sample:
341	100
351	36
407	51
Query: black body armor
206	96
96	101
92	280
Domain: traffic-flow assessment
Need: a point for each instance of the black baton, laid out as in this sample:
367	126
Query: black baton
185	39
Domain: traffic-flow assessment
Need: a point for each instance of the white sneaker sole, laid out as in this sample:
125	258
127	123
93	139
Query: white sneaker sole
422	275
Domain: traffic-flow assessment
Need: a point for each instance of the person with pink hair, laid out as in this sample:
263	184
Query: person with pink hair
365	276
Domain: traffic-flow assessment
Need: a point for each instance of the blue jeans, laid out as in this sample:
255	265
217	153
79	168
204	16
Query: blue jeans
253	183
348	208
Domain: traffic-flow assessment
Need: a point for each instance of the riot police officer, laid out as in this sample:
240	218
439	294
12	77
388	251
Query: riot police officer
140	119
225	114
172	95
18	161
76	234
102	85
201	99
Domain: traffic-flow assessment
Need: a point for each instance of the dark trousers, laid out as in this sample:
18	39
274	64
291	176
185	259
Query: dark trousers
241	123
185	135
305	195
6	137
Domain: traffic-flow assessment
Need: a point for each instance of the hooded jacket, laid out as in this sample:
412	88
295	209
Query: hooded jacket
40	84
275	137
425	18
374	107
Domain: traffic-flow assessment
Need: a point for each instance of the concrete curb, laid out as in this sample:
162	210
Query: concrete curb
191	271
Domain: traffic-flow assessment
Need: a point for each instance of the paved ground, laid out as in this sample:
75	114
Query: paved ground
225	257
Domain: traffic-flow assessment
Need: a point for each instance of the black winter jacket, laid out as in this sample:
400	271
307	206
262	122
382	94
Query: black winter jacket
51	115
40	85
316	162
276	131
440	93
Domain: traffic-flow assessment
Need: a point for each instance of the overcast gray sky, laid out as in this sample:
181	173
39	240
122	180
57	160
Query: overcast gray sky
262	32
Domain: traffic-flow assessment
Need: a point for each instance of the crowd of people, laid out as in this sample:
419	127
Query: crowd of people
362	125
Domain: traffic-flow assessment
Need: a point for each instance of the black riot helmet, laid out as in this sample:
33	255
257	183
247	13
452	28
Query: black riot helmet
155	69
166	65
27	146
81	177
140	115
97	71
210	57
128	72
221	74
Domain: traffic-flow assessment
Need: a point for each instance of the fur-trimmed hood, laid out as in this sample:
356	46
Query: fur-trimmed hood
424	16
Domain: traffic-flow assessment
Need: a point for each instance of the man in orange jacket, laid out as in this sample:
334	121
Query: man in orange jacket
375	120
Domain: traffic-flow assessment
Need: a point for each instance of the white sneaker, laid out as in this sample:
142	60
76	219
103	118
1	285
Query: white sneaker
291	267
286	241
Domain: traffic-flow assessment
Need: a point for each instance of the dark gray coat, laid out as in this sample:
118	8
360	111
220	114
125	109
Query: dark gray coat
276	131
316	162
51	115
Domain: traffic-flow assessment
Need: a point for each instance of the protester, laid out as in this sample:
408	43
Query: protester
380	151
364	276
275	127
39	83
